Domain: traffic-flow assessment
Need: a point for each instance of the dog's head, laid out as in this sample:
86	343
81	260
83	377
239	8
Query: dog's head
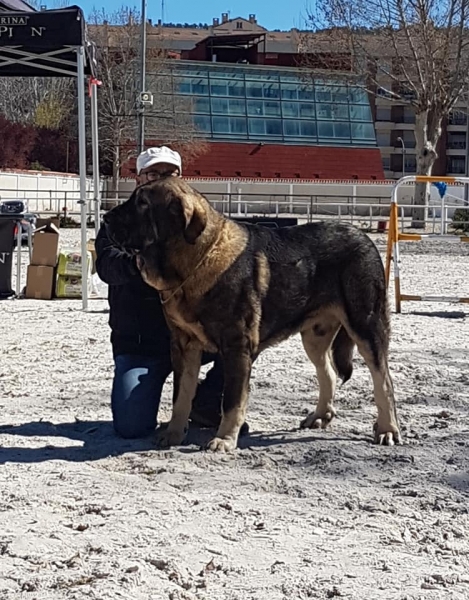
156	213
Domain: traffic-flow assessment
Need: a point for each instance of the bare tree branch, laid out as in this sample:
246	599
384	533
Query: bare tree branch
425	42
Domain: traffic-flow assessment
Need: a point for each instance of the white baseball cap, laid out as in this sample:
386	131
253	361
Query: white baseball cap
161	154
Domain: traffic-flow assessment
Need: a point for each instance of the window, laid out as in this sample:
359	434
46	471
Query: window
340	111
324	111
273	127
236	88
201	104
358	96
342	130
256	126
360	112
202	123
325	130
409	114
305	93
263	127
307	110
386	163
383	113
457	118
271	90
263	107
410	163
185	86
289	91
199	86
218	87
290	109
239	24
291	128
339	95
323	94
456	165
227	106
307	129
229	125
456	141
363	131
383	138
219	106
248	102
253	89
255	108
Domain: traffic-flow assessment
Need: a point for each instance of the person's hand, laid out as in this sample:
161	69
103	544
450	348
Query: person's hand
139	262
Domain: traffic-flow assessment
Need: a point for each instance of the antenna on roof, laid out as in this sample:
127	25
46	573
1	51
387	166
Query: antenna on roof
162	11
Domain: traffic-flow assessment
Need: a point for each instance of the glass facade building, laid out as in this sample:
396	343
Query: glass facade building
234	102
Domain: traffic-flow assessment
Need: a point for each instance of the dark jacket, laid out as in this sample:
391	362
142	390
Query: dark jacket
136	316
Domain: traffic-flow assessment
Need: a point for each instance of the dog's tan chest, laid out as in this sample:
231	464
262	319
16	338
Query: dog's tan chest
180	316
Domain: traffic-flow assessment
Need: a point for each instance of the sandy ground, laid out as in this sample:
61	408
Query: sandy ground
292	514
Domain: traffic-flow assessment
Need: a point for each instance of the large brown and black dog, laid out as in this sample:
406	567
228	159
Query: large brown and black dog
237	289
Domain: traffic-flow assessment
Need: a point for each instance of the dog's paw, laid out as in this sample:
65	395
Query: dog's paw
221	445
317	420
387	436
170	438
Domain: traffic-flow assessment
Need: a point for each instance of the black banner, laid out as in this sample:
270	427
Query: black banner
27	37
43	30
7	236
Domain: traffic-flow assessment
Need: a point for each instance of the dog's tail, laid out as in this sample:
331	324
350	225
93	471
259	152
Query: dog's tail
342	353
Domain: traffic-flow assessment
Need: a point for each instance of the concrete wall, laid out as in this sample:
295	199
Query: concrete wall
44	192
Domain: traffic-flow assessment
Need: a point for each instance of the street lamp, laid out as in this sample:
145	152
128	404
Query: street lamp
399	139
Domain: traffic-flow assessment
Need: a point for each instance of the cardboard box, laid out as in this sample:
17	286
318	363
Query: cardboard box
44	222
46	246
68	286
70	263
40	282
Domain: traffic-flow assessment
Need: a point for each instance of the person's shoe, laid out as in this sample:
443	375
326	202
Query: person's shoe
206	410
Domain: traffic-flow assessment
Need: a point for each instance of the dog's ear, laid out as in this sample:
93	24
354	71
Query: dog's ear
195	218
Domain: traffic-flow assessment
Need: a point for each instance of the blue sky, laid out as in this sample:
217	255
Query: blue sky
272	14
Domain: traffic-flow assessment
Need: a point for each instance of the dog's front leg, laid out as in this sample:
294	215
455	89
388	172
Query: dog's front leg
237	373
186	356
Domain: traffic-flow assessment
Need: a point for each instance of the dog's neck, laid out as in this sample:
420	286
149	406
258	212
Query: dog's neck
191	257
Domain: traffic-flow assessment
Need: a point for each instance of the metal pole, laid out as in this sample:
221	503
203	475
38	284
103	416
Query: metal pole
95	140
399	139
143	54
19	235
466	170
82	163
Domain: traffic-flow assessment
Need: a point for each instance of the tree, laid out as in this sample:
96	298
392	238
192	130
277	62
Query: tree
412	51
17	142
117	37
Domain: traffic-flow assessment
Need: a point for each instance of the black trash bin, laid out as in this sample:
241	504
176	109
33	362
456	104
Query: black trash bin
8	225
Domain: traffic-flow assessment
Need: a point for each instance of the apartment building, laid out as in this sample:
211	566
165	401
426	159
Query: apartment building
268	123
395	127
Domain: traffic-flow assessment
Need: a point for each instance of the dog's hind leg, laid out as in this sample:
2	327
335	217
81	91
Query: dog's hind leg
317	342
186	357
237	373
372	338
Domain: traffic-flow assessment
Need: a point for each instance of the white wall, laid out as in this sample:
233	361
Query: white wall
45	192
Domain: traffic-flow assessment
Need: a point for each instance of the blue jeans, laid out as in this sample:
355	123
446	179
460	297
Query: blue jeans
136	391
